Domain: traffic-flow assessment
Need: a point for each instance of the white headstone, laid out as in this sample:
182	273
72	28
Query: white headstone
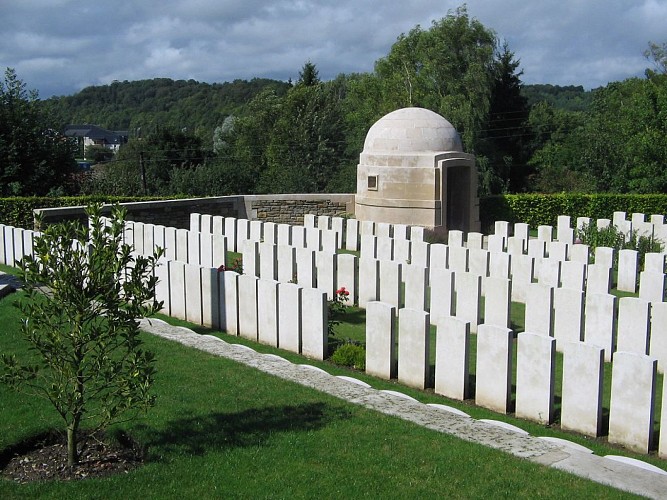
658	340
177	289
468	298
521	231
381	340
416	233
580	253
573	275
497	301
545	233
326	273
368	246
305	268
501	227
347	267
413	347
654	261
537	248
442	296
600	322
323	222
247	297
256	230
455	238
522	276
458	259
631	409
535	377
633	325
337	224
581	399
496	243
568	316
251	259
284	234
218	224
309	220
604	256
385	248
206	223
270	233
493	382
267	312
298	236
416	282
210	293
539	309
478	261
229	303
390	283
627	270
439	256
420	253
369	281
289	317
193	294
231	233
352	234
652	286
452	355
268	261
475	240
314	342
598	278
182	246
314	238
286	264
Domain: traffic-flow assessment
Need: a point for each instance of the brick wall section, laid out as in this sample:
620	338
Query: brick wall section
292	211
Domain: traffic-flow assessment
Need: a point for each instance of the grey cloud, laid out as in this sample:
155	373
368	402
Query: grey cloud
59	46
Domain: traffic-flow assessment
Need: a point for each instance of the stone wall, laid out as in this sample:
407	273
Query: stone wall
283	208
288	211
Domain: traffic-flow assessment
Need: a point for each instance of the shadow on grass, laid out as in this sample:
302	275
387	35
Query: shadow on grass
197	435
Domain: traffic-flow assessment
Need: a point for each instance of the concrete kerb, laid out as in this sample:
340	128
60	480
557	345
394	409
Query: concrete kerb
596	468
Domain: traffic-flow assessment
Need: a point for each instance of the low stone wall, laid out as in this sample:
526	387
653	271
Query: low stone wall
284	208
290	209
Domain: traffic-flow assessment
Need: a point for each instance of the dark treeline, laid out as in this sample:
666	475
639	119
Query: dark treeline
265	136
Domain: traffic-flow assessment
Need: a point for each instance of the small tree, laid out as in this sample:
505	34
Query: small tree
84	294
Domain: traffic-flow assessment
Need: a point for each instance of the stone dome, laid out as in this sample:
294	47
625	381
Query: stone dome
412	130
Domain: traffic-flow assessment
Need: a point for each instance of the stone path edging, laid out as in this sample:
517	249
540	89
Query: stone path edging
596	468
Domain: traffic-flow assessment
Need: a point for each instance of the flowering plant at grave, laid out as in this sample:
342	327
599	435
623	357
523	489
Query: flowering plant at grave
236	266
337	309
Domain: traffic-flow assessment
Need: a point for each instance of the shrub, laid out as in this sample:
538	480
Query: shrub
350	354
611	237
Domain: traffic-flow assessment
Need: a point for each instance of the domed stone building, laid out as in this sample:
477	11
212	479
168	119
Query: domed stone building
413	171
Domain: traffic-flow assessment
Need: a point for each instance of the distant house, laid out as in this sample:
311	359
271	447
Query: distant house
92	135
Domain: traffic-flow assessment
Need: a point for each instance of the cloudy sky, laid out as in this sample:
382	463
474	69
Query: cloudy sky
58	47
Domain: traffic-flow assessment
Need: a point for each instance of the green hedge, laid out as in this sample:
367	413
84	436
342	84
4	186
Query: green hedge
543	209
18	212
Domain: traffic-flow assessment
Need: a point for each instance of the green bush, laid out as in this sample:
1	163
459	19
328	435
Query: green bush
611	237
18	211
544	209
350	354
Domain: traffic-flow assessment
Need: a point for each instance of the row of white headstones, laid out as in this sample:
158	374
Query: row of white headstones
291	271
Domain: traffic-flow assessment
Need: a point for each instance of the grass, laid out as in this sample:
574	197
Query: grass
220	429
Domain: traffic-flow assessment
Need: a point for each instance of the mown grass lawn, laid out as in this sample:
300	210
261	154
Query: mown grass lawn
224	430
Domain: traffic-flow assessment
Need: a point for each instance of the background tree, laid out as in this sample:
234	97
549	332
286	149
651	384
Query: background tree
308	75
35	159
85	332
